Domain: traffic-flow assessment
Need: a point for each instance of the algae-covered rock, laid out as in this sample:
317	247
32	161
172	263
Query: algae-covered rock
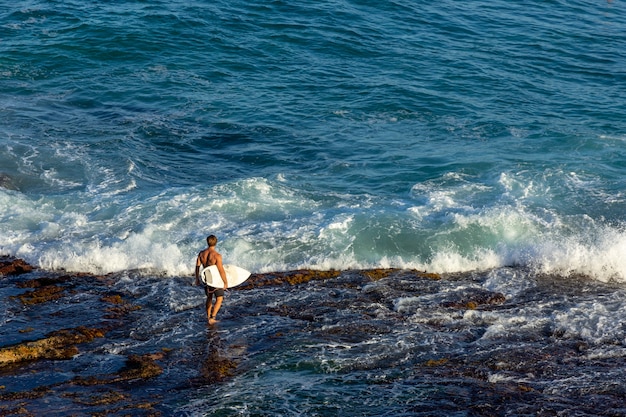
9	266
303	276
57	345
291	277
44	289
136	367
119	307
474	299
379	273
41	295
37	392
217	368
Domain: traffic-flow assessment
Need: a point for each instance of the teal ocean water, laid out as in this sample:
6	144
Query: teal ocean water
454	137
446	137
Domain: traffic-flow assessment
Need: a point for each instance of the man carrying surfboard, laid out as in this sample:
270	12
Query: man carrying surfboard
207	257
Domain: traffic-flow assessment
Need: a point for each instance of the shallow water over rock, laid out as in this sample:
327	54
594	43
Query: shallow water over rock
354	342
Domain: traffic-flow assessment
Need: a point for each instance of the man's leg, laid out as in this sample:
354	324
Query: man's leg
215	308
209	302
208	306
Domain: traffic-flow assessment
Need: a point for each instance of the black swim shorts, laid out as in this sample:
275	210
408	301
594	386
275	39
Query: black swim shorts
209	291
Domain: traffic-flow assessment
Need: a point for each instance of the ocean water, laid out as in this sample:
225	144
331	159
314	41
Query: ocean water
486	139
446	137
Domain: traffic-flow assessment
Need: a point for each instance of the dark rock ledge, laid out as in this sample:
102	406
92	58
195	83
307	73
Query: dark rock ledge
18	359
111	312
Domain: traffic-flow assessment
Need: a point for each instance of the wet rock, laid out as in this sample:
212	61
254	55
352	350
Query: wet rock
45	289
111	402
100	305
290	277
218	371
471	300
380	273
38	392
57	345
113	299
26	330
306	275
119	307
137	367
41	295
140	367
44	282
105	398
216	367
293	312
10	266
436	362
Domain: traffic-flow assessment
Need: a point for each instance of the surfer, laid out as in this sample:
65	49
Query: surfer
207	257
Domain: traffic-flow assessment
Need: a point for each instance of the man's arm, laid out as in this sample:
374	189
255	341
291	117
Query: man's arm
198	270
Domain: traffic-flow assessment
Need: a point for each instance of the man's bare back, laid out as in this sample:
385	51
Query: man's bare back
209	257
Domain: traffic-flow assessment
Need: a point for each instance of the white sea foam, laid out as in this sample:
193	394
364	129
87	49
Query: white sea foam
265	225
598	320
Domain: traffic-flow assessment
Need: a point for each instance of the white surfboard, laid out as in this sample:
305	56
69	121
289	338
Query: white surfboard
234	274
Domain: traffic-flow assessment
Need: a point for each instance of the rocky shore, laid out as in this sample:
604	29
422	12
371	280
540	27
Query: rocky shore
37	349
424	344
34	353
